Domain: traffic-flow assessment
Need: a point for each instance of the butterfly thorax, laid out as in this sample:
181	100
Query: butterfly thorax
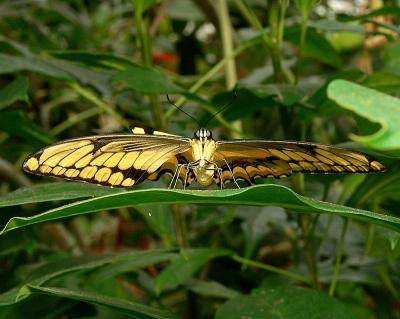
203	150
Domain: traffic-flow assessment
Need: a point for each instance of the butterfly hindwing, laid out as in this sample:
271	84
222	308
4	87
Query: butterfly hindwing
113	160
248	159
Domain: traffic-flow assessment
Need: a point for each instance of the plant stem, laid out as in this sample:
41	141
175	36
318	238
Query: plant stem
210	73
338	260
276	16
145	45
92	97
303	33
75	119
248	262
180	227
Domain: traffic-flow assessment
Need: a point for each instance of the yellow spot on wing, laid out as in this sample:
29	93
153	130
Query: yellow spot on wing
52	150
102	174
71	159
99	161
32	164
128	182
332	156
138	130
114	159
128	160
377	166
58	170
71	172
116	178
324	159
279	154
45	169
293	155
84	161
88	172
55	159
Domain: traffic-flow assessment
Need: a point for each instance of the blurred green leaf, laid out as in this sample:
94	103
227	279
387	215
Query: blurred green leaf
147	80
261	195
18	124
17	90
51	270
386	82
94	59
211	289
186	265
54	191
373	105
385	10
129	308
391	58
316	46
285	302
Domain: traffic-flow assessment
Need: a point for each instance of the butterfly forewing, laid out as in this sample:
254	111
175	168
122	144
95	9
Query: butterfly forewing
113	160
248	159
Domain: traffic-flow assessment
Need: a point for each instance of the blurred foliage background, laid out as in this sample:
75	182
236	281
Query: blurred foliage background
73	68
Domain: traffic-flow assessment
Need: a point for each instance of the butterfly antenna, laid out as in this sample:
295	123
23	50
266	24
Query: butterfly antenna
225	107
180	109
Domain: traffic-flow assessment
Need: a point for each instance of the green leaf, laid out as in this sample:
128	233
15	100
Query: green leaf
375	13
373	105
127	307
260	195
316	46
186	265
391	58
211	289
284	303
54	191
147	80
61	267
18	124
94	59
17	90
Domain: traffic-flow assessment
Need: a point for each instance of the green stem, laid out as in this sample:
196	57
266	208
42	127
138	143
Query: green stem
339	255
75	119
145	45
227	43
210	73
180	227
92	97
257	264
276	16
303	33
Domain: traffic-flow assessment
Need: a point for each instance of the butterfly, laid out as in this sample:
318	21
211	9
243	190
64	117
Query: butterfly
129	159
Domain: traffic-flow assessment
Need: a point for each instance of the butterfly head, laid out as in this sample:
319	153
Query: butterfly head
203	134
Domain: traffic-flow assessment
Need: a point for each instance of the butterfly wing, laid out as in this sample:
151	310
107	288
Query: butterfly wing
111	160
248	159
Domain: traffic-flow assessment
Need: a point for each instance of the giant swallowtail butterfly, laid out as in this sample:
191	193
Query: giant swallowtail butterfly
126	160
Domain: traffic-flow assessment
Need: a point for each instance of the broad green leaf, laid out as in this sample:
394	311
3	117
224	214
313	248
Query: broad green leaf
17	90
55	68
285	302
186	265
147	80
375	13
391	58
94	59
127	307
386	82
18	124
211	289
260	195
54	191
316	46
61	267
373	105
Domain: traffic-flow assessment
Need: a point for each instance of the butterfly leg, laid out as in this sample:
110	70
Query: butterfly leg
188	167
219	172
176	175
233	176
179	169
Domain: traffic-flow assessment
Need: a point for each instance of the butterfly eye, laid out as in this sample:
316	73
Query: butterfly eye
208	134
197	134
